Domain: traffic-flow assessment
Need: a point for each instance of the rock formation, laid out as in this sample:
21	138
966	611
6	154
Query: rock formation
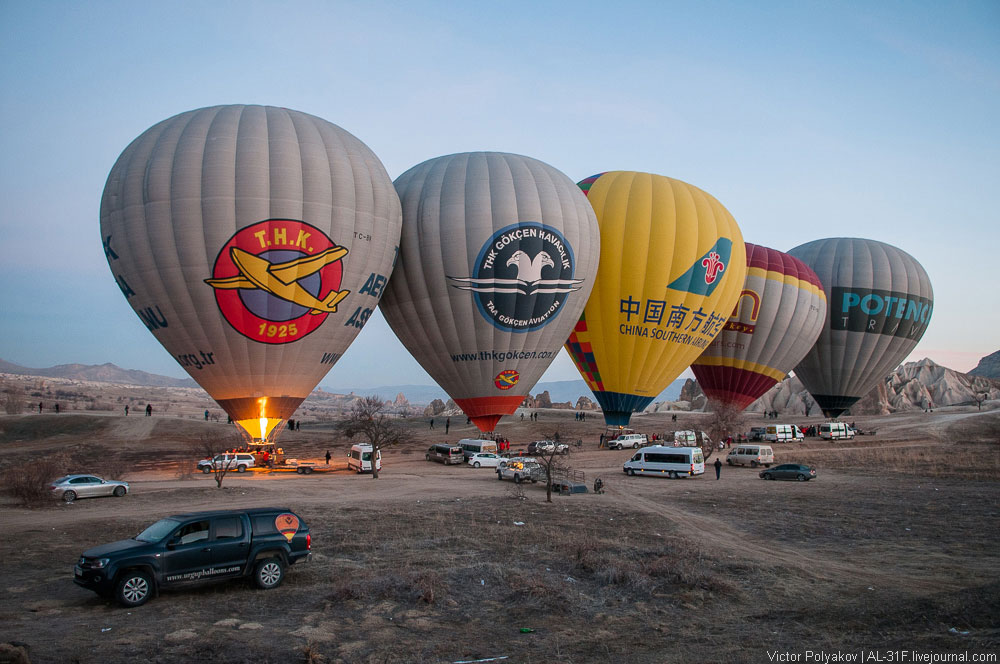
988	367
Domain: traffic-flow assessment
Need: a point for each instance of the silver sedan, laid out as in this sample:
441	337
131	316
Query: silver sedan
71	487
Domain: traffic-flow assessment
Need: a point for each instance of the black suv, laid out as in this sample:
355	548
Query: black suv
198	547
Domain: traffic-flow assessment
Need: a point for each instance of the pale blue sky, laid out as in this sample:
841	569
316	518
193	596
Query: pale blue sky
805	119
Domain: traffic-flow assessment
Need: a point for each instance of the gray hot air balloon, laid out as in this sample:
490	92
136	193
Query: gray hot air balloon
496	260
253	242
879	302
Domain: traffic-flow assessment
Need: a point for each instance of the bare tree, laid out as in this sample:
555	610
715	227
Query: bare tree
727	420
210	445
554	464
369	419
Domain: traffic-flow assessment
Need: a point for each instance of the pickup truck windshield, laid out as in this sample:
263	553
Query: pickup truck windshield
158	530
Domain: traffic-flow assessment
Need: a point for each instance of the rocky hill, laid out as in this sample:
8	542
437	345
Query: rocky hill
988	367
102	373
915	385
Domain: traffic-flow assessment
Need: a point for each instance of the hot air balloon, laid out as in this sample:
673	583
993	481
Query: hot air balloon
778	316
880	302
253	242
672	267
497	257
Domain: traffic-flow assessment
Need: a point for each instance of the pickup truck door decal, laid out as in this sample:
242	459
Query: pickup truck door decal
287	524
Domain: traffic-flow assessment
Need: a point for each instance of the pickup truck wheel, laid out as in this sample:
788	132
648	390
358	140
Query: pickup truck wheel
119	491
241	468
206	470
635	446
517	479
69	496
133	588
269	573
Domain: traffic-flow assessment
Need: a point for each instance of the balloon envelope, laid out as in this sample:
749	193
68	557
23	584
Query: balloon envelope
497	257
253	242
672	266
880	303
777	319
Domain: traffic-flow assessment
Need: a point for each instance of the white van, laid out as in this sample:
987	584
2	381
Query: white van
472	446
783	433
633	440
359	459
836	431
672	462
690	438
751	455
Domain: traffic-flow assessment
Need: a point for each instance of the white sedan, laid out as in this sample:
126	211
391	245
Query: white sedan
481	459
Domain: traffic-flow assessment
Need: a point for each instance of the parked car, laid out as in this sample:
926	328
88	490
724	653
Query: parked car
487	459
71	487
789	471
757	433
446	454
520	469
547	447
186	549
752	455
239	462
633	440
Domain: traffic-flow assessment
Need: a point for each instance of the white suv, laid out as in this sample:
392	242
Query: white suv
520	469
227	461
633	440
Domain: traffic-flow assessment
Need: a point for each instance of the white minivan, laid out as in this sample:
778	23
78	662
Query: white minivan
751	455
633	440
836	431
472	446
783	433
359	459
672	462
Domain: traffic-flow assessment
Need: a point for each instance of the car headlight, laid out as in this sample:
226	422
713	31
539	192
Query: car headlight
99	563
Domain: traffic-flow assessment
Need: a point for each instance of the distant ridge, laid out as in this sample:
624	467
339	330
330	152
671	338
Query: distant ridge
988	367
560	391
102	373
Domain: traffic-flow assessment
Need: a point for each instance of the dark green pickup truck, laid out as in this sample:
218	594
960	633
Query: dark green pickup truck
198	547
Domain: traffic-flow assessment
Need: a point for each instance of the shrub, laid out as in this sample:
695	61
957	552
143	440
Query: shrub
29	483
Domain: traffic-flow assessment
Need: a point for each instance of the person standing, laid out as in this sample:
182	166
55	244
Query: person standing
126	410
149	409
718	467
328	457
447	425
40	408
432	422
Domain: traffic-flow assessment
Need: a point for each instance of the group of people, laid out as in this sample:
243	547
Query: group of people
581	416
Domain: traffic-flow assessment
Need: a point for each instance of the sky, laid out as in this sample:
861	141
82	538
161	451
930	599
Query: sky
805	119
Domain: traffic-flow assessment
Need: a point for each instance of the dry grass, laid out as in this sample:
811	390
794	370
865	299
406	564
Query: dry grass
958	460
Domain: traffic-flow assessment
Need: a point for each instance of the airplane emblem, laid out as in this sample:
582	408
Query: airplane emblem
281	279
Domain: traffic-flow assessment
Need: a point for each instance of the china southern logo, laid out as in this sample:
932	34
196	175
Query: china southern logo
277	280
523	275
707	271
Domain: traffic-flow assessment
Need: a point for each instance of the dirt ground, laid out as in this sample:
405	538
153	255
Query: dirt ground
892	549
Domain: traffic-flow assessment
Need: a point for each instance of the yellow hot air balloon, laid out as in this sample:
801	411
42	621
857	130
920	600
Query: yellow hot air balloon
672	267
